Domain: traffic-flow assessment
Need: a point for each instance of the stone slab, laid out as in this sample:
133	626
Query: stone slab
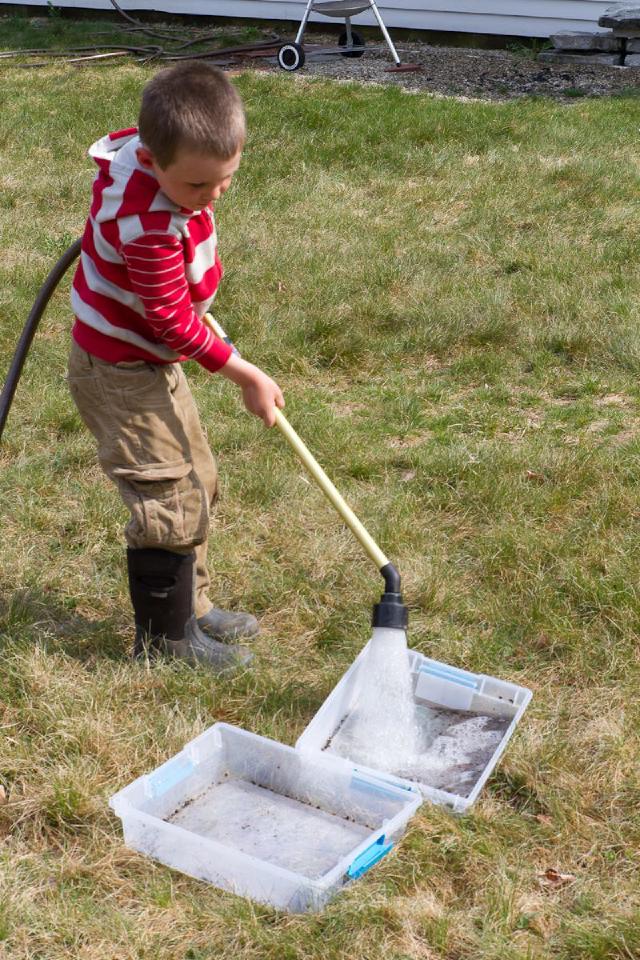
621	15
632	60
633	46
603	40
586	59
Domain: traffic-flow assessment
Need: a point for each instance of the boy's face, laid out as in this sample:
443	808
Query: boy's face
192	180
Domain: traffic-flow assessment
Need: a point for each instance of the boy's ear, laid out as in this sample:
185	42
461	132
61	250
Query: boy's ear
145	157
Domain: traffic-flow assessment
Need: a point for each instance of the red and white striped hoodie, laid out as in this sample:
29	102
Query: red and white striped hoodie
148	269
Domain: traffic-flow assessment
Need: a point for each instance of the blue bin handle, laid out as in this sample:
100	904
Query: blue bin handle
368	858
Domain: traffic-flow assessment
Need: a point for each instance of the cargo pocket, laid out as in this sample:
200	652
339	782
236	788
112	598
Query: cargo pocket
167	502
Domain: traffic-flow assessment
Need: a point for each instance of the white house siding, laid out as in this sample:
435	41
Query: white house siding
521	18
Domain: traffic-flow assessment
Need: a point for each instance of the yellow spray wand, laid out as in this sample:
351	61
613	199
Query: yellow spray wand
390	612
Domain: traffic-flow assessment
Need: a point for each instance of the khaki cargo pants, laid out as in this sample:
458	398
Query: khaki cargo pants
151	444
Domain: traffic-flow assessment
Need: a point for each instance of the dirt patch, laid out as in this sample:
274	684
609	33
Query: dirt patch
472	73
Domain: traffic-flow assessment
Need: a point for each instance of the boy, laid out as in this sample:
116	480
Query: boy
148	272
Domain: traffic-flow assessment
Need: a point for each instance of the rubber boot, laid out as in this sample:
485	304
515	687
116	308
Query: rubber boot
225	626
161	584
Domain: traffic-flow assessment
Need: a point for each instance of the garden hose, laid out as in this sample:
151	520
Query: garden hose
26	337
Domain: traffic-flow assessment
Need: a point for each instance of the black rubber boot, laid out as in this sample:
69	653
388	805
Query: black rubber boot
161	587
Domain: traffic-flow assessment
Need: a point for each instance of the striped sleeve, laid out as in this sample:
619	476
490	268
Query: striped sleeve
156	270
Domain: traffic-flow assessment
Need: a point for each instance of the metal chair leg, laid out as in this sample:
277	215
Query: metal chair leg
303	22
385	33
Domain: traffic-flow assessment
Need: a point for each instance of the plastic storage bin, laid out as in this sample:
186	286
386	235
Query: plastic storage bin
467	719
263	820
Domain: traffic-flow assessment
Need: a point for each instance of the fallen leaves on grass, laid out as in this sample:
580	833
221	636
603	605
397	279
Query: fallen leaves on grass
544	818
552	879
535	477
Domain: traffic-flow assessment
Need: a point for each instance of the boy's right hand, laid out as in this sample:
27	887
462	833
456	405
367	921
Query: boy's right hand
260	393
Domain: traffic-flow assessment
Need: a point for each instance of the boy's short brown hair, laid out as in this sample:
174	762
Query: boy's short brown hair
191	106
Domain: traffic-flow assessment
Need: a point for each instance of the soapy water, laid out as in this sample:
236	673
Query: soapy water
388	730
455	749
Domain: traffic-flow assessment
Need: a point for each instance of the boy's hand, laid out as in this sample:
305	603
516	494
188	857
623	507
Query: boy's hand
260	393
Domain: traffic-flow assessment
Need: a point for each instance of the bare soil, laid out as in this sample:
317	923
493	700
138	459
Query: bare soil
473	73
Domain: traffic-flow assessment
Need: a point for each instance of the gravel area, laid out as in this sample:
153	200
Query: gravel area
472	73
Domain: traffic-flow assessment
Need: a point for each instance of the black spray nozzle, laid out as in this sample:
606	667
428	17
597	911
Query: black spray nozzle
391	578
391	611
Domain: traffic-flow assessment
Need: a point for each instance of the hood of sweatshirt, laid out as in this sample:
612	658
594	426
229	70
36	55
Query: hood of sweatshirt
123	187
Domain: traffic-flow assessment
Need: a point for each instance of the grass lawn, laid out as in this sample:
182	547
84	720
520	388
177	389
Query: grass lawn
448	294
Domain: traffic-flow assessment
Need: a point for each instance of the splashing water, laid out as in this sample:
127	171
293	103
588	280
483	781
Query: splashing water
383	731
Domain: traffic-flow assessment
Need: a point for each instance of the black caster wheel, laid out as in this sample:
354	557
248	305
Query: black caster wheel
356	40
291	56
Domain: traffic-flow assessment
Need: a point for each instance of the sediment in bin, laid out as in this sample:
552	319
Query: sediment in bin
285	807
452	751
272	827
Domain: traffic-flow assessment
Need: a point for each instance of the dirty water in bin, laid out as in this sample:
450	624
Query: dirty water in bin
452	752
270	826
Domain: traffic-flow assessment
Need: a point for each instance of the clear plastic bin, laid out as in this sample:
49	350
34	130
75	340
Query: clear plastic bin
263	820
467	719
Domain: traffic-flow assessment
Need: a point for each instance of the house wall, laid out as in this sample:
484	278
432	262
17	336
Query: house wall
522	18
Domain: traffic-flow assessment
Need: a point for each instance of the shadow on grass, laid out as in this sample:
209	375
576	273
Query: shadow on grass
29	617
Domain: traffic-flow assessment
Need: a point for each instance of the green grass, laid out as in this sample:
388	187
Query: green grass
448	294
